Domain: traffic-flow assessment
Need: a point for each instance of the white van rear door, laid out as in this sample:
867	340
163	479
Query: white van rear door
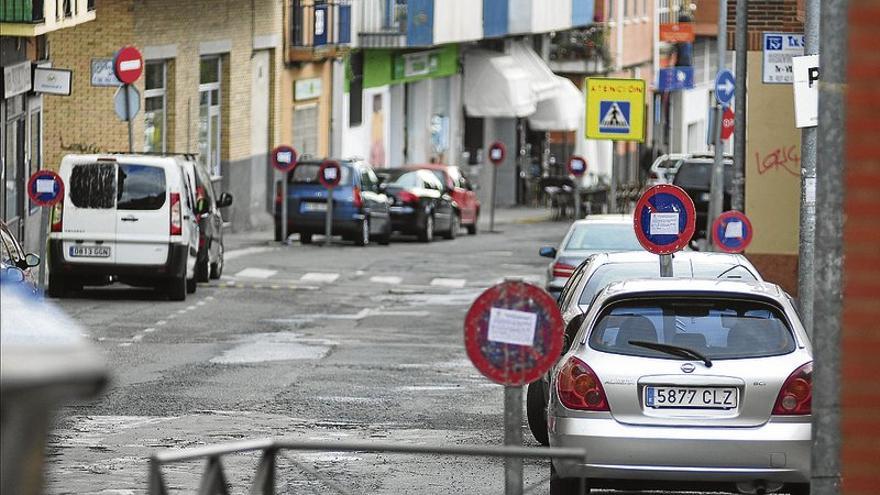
142	215
89	218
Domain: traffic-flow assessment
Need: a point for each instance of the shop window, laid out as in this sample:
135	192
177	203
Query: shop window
305	129
356	90
209	113
155	104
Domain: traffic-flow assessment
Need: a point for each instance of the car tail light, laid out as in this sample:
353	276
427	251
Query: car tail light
202	240
176	221
407	197
654	175
579	387
356	197
796	395
58	217
562	270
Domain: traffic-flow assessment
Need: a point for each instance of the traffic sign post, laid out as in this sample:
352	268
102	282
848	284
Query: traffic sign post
513	335
497	153
732	232
128	65
577	166
284	160
329	175
45	188
725	88
664	222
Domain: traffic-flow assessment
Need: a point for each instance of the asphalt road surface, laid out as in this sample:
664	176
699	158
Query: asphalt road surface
309	342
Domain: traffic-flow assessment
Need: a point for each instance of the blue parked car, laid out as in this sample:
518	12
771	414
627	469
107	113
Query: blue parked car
360	209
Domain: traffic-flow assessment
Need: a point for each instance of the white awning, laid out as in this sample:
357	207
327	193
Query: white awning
544	81
562	111
495	86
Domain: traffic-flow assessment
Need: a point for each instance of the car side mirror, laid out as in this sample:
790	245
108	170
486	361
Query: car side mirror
31	259
202	206
224	200
547	252
13	274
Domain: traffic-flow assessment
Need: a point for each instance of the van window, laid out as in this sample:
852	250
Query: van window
141	187
93	185
307	173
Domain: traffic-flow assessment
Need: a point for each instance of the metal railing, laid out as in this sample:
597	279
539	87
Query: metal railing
319	23
22	11
214	480
383	22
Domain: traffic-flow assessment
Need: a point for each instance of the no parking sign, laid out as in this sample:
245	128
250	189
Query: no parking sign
664	219
45	188
732	232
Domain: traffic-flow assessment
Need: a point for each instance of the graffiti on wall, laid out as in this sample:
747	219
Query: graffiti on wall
785	158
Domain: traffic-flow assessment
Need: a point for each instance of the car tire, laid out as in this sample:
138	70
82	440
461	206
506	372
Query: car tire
57	287
472	228
203	270
305	238
454	227
536	412
177	288
191	285
426	234
385	238
278	232
363	237
567	486
217	268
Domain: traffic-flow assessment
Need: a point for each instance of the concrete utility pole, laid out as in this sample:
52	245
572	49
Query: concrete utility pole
741	45
807	241
827	304
716	198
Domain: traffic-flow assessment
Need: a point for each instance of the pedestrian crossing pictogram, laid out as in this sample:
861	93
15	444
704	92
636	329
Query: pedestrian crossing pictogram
614	117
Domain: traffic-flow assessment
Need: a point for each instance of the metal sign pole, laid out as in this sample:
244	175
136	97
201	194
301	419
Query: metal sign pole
612	192
44	233
328	223
577	198
129	119
666	265
284	232
716	190
513	467
494	188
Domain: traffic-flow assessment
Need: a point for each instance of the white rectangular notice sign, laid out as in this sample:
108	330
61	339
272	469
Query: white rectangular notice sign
664	223
52	81
806	90
45	186
778	50
509	326
733	230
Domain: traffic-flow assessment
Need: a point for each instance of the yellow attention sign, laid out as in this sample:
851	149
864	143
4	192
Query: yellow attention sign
616	109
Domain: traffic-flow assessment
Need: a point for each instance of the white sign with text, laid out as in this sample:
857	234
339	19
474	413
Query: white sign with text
806	90
509	326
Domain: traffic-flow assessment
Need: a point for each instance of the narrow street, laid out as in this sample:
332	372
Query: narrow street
309	342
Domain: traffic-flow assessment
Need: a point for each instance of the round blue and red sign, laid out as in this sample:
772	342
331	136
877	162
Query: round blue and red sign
284	158
45	188
664	219
732	232
577	165
329	174
513	333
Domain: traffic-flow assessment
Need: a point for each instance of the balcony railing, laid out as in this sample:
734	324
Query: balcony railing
582	51
22	11
383	23
317	27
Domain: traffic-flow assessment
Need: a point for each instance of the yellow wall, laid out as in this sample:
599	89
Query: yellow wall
308	70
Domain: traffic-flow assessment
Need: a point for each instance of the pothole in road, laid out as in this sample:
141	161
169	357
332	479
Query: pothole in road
281	346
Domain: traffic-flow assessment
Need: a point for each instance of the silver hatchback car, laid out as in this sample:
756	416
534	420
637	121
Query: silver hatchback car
697	384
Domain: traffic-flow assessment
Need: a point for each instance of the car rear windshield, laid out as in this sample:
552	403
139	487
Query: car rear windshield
718	328
618	272
603	237
698	175
141	187
307	173
93	185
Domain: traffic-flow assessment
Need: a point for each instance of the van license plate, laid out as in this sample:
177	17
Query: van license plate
309	206
90	251
691	397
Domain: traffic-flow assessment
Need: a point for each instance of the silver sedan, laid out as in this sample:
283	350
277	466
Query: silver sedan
697	384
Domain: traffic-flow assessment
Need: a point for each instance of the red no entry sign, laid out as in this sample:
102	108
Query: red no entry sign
727	123
330	174
497	152
513	333
128	64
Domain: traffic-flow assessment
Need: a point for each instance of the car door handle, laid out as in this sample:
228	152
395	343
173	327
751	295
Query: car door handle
130	219
186	217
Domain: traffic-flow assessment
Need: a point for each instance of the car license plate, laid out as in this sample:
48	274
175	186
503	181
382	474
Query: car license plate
691	397
90	251
310	206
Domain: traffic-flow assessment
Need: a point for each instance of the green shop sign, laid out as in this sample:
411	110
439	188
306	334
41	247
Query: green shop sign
383	67
419	64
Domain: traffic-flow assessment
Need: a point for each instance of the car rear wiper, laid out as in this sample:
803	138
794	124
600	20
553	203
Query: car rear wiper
674	350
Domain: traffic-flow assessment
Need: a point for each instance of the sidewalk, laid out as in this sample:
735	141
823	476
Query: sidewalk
503	216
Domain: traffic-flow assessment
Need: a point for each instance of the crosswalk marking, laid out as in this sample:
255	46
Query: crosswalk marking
256	273
386	280
319	277
455	283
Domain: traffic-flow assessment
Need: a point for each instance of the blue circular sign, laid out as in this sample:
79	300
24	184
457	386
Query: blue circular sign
732	232
725	84
45	188
664	219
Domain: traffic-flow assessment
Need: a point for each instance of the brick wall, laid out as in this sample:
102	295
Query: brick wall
765	16
860	347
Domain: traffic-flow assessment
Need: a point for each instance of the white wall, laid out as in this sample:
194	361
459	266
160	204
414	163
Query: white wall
538	16
458	20
357	140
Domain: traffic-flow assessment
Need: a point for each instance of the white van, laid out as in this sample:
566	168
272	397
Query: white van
124	217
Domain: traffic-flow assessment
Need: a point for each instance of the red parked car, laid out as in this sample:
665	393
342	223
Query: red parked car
461	190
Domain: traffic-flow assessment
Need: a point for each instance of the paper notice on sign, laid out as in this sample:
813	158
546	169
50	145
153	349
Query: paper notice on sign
284	157
512	327
495	154
330	174
733	230
810	190
664	223
45	186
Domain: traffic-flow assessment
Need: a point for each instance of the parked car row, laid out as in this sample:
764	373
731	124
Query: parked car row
700	381
144	220
419	200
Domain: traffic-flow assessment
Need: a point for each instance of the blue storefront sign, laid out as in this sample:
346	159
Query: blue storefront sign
675	79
